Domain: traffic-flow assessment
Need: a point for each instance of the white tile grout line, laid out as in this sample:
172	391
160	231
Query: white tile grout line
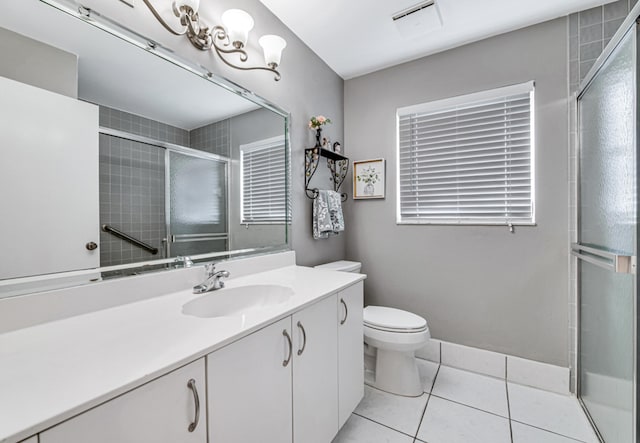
506	388
547	430
424	411
470	407
382	424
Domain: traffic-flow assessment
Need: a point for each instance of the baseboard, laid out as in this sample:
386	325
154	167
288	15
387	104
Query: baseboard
510	368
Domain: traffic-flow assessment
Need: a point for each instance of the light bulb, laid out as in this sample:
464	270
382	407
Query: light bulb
238	23
272	45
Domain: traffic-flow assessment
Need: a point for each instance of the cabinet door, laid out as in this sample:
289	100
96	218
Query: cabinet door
315	372
48	181
159	412
249	388
350	350
33	439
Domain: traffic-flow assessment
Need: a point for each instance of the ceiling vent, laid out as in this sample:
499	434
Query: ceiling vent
418	20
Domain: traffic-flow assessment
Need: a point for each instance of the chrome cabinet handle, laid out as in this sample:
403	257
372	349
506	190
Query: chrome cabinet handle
346	311
304	339
192	385
286	334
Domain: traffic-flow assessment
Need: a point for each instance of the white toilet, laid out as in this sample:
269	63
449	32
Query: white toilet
391	338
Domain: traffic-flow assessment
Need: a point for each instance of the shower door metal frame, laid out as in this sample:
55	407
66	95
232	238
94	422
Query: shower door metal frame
630	24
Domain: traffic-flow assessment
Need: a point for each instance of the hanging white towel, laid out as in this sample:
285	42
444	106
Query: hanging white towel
327	214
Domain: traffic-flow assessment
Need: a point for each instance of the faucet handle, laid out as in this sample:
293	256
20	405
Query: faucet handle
210	269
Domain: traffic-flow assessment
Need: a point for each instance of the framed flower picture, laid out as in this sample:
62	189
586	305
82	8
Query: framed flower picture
368	179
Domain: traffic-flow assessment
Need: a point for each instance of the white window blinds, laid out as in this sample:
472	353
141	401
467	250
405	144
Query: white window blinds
263	170
468	159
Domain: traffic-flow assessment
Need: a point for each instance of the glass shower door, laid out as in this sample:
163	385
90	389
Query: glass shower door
198	216
607	248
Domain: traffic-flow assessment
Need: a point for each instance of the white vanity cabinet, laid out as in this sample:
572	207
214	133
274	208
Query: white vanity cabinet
315	375
279	384
249	388
350	350
168	409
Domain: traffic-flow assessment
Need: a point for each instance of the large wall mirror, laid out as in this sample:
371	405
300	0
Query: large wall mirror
153	160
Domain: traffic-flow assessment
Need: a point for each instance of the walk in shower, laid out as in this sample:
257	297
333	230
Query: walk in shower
607	239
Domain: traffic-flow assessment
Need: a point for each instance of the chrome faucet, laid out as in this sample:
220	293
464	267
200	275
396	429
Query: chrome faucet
213	280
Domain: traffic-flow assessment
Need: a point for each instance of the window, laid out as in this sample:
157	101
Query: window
468	159
263	174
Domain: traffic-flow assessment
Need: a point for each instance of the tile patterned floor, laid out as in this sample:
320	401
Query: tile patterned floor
464	407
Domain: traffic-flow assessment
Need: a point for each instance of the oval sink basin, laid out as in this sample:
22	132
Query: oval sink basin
232	302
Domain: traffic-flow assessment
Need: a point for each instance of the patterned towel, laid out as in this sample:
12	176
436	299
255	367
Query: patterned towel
327	214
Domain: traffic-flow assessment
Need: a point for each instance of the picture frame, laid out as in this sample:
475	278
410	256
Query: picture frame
369	179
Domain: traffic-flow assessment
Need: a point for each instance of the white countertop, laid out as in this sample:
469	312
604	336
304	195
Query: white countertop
53	371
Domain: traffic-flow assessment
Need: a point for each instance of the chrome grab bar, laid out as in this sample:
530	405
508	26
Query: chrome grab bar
623	264
126	237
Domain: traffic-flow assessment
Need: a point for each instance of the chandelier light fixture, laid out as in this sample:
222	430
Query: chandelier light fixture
229	38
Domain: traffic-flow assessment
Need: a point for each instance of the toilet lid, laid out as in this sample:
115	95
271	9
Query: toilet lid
341	265
391	319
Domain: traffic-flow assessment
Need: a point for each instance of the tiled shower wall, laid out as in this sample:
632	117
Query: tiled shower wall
213	138
135	124
131	199
589	32
132	180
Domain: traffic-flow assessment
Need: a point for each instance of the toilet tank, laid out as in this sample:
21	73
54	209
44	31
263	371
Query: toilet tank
342	265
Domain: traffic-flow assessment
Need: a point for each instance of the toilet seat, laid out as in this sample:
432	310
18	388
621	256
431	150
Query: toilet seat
393	320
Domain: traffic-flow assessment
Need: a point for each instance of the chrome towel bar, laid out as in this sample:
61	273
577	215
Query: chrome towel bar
624	264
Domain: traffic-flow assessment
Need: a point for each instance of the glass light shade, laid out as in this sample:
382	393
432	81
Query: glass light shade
193	4
272	45
238	23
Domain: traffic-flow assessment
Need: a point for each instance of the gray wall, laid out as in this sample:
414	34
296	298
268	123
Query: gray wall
38	64
308	87
476	285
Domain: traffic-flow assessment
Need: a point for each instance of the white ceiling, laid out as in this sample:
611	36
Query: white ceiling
114	73
355	37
